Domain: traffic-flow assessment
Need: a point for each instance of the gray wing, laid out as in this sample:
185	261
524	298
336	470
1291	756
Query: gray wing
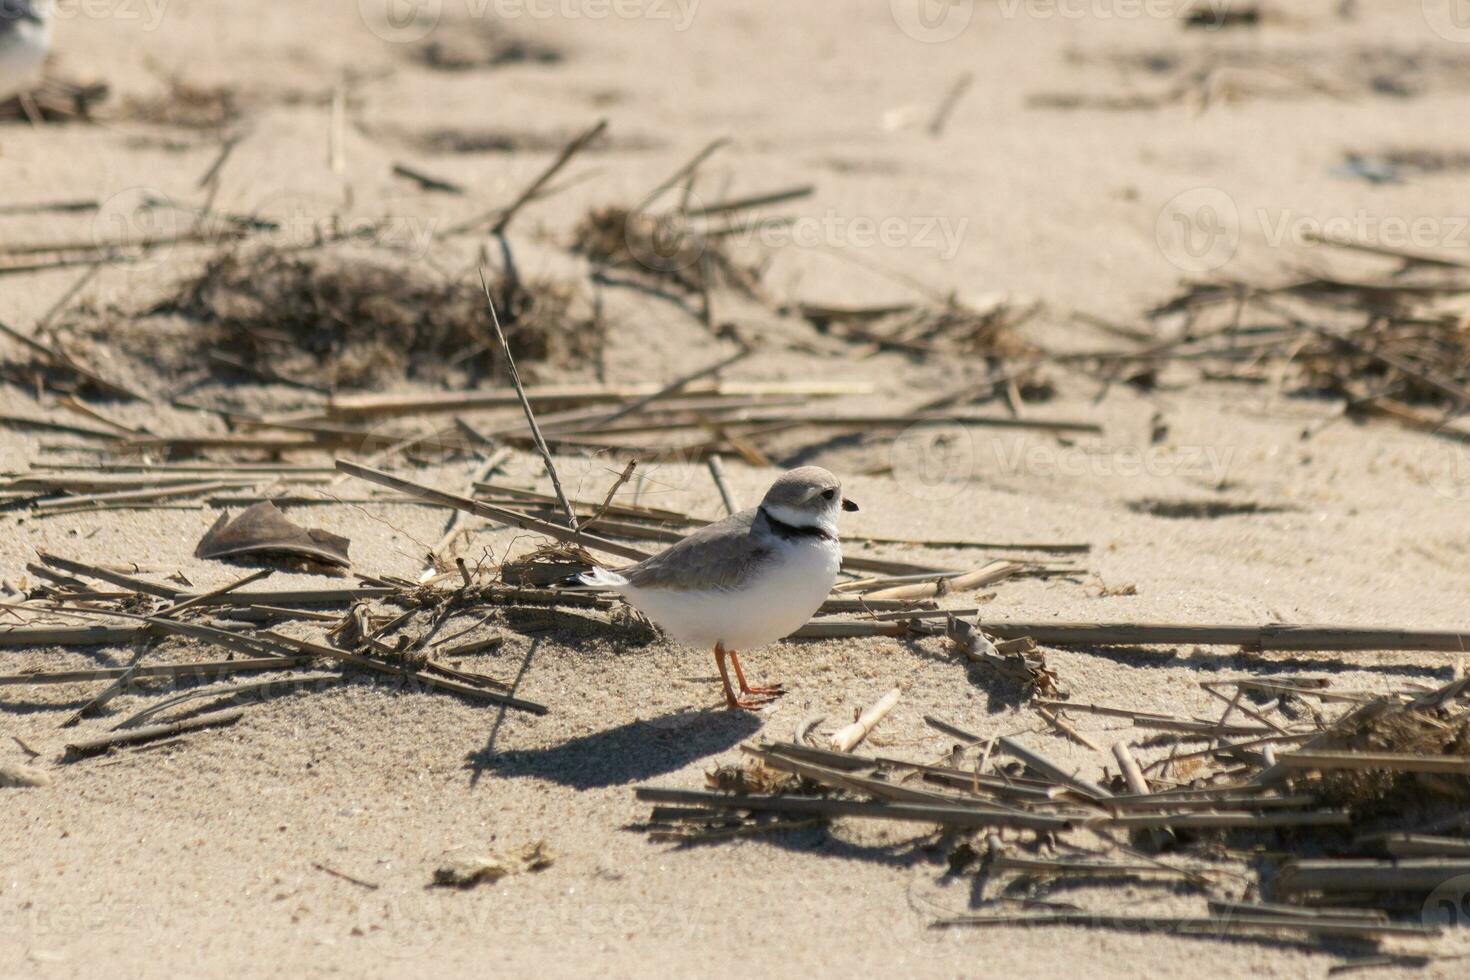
718	556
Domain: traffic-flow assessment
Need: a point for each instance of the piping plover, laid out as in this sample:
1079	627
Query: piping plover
24	38
745	581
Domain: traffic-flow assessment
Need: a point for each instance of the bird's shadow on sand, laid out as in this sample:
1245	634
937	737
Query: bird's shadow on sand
629	753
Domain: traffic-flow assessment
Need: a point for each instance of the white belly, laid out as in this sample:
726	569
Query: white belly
780	600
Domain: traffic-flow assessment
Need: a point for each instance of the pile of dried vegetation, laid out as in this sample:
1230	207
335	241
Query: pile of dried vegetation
344	320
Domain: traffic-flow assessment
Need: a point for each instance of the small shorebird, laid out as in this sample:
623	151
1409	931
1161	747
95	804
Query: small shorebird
745	581
24	38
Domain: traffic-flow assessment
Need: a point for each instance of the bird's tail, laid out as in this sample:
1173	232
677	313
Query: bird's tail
599	579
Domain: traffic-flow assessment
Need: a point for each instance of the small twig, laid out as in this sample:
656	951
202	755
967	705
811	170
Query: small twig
562	159
674	386
717	473
1194	925
526	407
1056	722
965	815
505	516
135	736
846	739
452	531
622	479
370	886
291	684
947	104
683	172
1040	764
214	668
337	134
428	680
425	181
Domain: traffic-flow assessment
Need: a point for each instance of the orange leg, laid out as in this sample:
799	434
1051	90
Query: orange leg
745	688
731	701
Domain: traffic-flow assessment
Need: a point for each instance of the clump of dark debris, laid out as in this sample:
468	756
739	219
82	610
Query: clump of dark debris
990	328
442	140
341	320
1389	793
756	778
675	249
56	100
187	105
485	47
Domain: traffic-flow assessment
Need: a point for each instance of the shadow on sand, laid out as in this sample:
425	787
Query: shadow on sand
626	754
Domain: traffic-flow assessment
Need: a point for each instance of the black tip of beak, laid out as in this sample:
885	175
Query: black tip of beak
849	505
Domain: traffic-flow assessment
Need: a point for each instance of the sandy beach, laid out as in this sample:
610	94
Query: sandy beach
1063	168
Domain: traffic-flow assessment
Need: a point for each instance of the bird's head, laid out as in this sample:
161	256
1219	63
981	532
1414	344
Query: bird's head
807	497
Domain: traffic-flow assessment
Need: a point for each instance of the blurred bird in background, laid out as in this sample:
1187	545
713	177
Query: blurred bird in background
25	38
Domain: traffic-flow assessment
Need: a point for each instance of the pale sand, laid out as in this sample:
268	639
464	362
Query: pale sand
198	859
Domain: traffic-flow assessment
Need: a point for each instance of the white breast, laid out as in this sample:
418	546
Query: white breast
778	600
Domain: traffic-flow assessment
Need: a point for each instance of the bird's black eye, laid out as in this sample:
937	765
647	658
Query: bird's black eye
830	495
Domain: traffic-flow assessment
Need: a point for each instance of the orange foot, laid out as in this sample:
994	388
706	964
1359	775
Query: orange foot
754	697
746	704
771	693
